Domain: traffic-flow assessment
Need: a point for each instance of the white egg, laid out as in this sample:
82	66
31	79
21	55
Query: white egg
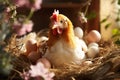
87	63
78	32
93	44
93	36
93	51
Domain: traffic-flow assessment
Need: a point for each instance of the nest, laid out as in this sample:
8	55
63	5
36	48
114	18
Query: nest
106	66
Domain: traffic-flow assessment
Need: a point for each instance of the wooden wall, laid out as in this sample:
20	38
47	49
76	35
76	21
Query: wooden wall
94	23
41	17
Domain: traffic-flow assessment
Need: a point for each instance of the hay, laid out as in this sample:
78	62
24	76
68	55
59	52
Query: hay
106	66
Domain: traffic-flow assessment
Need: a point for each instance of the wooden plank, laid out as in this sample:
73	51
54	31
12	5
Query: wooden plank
94	23
64	5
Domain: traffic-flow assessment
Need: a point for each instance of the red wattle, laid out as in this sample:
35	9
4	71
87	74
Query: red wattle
54	31
57	31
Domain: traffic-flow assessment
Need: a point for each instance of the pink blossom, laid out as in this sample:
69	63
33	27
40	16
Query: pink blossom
7	14
7	9
82	18
34	4
25	75
37	4
21	31
39	70
22	28
28	25
20	3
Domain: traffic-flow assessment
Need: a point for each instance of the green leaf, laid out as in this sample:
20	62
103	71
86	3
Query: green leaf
117	19
113	1
91	15
115	31
2	7
115	35
117	42
107	25
105	19
118	2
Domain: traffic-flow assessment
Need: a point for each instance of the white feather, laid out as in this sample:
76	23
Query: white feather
60	53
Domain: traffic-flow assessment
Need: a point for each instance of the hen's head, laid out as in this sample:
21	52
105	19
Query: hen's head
60	23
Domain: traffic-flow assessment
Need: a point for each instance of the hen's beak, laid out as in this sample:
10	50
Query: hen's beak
54	26
56	29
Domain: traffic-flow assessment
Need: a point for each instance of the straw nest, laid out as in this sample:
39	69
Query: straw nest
106	66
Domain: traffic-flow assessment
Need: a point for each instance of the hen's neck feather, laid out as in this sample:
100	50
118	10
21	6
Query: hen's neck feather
52	39
69	36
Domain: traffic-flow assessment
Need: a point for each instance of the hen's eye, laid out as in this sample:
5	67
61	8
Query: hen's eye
61	21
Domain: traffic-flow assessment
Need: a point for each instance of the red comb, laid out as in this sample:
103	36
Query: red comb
55	15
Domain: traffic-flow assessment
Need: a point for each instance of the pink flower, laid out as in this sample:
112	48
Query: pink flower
7	9
21	31
34	4
38	71
25	75
37	4
7	14
28	25
20	3
82	18
22	28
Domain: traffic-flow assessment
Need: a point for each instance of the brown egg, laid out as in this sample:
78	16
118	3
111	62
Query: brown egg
31	45
93	36
45	62
34	56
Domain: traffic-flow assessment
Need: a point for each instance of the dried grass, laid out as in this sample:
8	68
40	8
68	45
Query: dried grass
106	66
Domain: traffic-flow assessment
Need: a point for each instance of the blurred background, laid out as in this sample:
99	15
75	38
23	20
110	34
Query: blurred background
102	15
